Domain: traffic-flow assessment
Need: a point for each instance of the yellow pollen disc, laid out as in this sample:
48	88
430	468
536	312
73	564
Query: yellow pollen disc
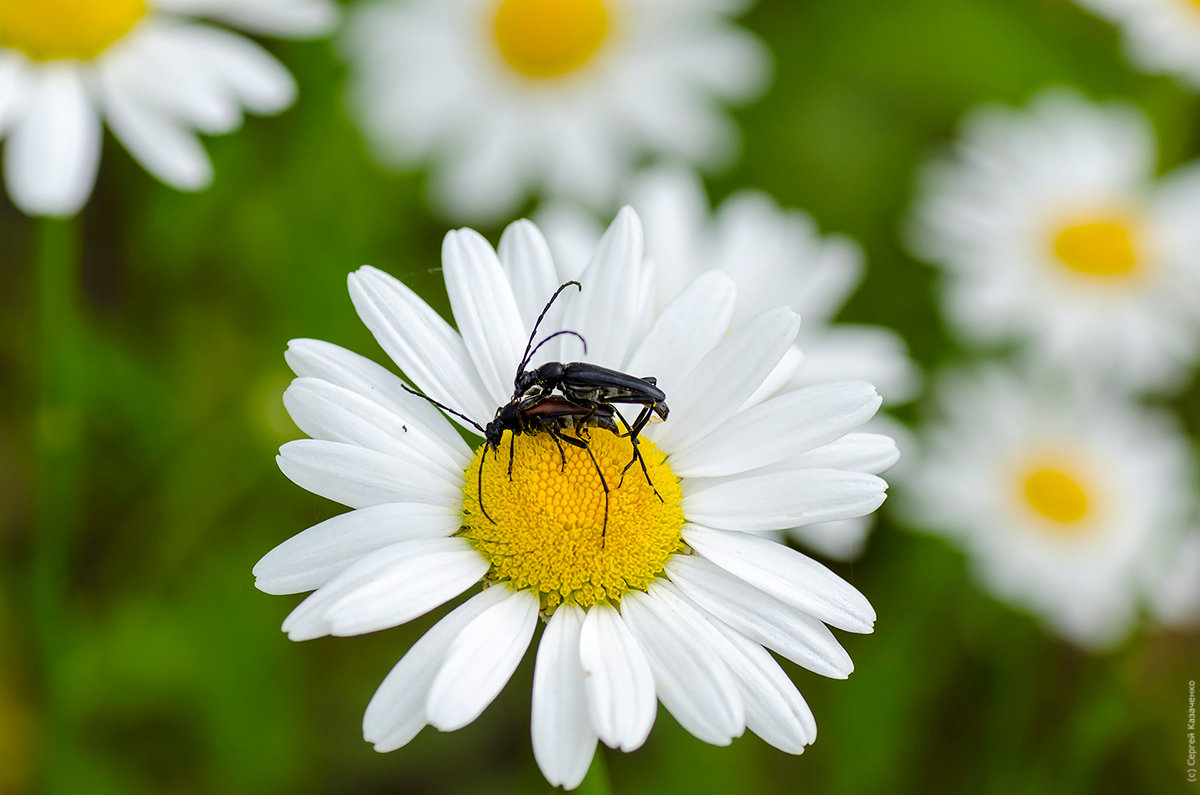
49	30
1098	246
549	38
1057	496
548	534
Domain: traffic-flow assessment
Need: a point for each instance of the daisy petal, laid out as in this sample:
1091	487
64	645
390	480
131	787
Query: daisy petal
53	151
775	710
248	72
397	710
781	427
285	18
424	346
486	179
309	620
687	657
525	257
571	232
606	311
430	573
364	377
780	376
13	85
617	680
727	376
313	557
779	500
783	628
484	309
356	477
481	660
854	452
875	354
327	411
784	573
159	72
840	540
686	330
564	740
165	148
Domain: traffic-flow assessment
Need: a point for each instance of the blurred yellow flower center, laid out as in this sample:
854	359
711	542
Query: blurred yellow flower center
49	30
549	38
1057	496
549	532
1098	246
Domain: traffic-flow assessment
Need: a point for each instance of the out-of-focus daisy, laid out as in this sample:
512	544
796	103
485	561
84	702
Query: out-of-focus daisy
154	75
1160	35
1053	231
774	256
672	601
507	97
1065	498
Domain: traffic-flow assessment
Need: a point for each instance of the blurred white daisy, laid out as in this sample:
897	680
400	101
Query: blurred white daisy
1160	35
510	97
1053	231
672	601
1064	498
774	256
154	75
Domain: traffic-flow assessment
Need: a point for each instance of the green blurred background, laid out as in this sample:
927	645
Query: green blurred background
137	656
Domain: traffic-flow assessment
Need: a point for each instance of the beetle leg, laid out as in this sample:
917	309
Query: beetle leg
632	433
632	438
637	456
512	443
561	453
604	483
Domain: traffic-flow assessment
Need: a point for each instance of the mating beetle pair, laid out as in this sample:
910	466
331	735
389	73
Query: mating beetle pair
588	398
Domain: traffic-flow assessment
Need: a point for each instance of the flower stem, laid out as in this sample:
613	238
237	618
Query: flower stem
56	431
596	781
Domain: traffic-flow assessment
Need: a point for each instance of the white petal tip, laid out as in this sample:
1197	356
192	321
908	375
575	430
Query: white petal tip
448	723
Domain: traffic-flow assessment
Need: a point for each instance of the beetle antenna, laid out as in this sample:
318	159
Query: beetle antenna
538	322
479	483
574	334
445	408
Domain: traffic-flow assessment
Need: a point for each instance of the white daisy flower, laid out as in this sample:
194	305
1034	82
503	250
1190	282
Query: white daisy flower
509	97
1063	498
650	598
154	75
1053	231
1161	36
774	256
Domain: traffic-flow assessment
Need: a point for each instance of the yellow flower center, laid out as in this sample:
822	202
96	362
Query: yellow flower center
549	531
1057	496
49	30
1103	246
549	38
